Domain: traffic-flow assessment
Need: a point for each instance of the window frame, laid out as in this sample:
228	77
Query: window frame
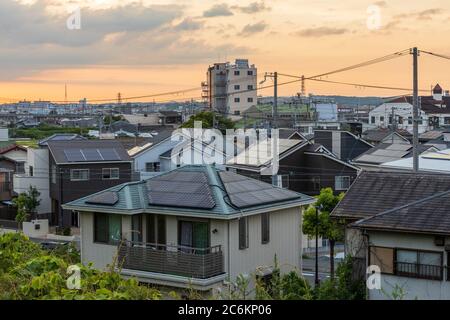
237	100
85	170
110	174
342	188
108	235
417	274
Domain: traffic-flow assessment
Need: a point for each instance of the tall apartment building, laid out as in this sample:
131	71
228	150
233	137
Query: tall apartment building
231	88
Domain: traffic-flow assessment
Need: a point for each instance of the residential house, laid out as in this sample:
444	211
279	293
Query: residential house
384	135
303	166
192	227
170	117
80	168
430	161
343	144
399	222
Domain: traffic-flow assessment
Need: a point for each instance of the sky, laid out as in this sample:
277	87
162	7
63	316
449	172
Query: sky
144	47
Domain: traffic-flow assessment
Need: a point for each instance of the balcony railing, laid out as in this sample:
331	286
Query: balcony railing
422	271
175	260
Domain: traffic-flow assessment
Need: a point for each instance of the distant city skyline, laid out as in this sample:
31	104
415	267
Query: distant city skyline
145	47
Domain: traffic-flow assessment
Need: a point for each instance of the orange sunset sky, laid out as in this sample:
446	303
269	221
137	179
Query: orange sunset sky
146	47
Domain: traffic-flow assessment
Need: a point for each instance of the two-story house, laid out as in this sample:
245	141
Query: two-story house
80	168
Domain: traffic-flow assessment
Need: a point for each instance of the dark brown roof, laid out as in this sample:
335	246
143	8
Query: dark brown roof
437	89
428	104
376	192
428	215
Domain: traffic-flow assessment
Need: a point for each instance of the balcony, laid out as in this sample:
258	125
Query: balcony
421	271
172	260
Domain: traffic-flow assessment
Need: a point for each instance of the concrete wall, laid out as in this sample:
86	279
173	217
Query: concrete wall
414	288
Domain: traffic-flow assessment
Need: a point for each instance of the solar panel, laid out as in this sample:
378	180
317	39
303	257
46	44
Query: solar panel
74	155
181	189
245	192
107	198
92	154
109	154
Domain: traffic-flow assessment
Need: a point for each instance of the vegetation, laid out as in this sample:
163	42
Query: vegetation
29	272
45	130
207	119
327	228
26	204
345	286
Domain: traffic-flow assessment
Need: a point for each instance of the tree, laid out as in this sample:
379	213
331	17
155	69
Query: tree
327	228
207	119
26	204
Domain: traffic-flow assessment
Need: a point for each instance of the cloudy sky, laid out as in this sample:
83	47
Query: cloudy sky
140	47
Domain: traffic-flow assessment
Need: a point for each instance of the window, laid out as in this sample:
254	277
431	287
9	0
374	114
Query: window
410	120
110	173
136	227
237	112
53	174
447	120
316	183
20	167
243	233
341	183
419	264
250	72
265	228
381	119
383	258
250	100
237	100
372	119
400	120
390	119
193	234
250	87
79	174
237	87
237	72
31	171
156	229
282	181
107	228
153	167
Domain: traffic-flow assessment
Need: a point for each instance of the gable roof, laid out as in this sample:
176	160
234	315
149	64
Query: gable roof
427	215
388	152
376	192
76	151
192	190
379	134
12	147
61	137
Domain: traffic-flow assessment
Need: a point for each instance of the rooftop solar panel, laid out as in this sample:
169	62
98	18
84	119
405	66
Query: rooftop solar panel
74	155
92	154
181	189
107	198
109	154
245	192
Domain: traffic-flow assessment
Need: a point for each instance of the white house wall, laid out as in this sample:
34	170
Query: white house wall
414	288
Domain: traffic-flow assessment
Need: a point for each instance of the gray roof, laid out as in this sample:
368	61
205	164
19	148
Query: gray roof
88	151
378	135
376	192
428	215
61	137
387	152
191	190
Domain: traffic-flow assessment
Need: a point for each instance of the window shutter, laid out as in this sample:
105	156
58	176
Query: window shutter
265	228
243	234
383	258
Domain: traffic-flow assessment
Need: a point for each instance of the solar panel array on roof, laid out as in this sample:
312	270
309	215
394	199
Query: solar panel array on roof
181	189
78	155
245	192
107	198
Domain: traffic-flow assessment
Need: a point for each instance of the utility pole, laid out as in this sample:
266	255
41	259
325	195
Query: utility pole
275	101
316	277
415	53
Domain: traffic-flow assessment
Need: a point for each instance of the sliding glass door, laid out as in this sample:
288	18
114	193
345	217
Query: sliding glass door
193	234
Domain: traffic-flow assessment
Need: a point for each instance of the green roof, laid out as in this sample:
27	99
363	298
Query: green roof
191	190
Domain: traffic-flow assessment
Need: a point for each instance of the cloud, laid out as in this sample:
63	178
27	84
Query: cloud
253	28
253	7
189	24
218	10
382	4
34	39
420	15
321	32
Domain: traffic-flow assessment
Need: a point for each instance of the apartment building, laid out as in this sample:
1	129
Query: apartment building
231	88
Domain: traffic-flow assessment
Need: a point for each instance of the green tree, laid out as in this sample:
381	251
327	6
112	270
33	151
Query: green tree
207	119
26	204
328	228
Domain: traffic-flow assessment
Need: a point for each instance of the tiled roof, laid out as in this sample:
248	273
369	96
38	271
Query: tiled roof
190	190
388	152
61	137
376	192
378	135
427	215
